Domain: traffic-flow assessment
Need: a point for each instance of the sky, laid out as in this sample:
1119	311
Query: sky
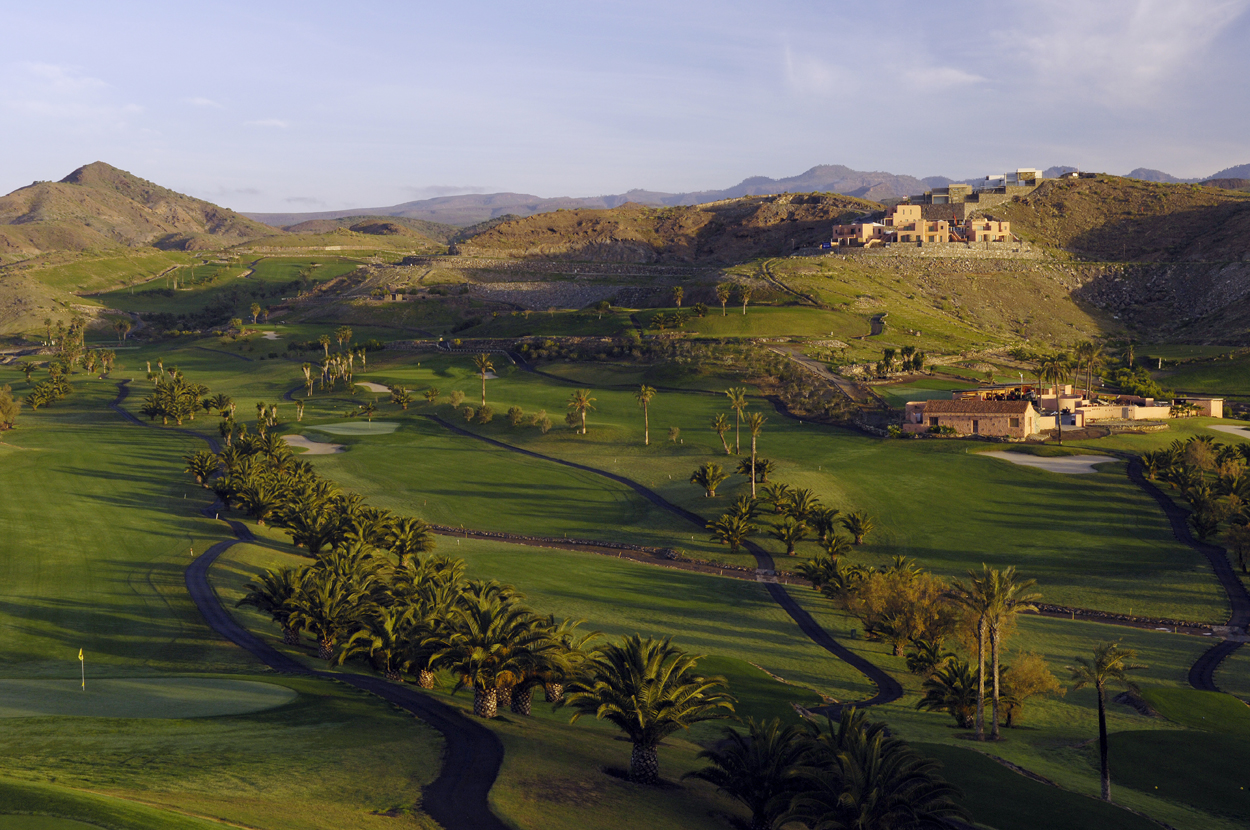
284	106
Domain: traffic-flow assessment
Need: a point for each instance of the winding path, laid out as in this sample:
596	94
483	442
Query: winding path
472	754
888	689
1202	672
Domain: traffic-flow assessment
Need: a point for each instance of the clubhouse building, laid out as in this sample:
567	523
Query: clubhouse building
1018	411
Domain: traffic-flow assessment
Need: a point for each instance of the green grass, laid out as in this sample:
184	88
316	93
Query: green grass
225	285
926	389
331	758
1210	711
146	697
767	321
1087	543
550	324
38	806
1212	377
1032	805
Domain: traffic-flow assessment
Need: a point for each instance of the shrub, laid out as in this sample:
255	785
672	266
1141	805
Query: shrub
485	414
468	414
457	398
516	415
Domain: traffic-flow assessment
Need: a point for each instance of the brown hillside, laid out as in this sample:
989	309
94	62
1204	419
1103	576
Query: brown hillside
99	206
719	232
1117	219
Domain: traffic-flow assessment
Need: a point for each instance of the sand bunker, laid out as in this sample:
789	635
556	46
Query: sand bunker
312	447
1232	429
148	697
1068	464
270	335
373	387
359	428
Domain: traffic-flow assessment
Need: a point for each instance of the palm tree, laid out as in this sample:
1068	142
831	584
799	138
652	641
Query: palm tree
255	309
802	504
489	634
643	396
709	477
745	292
483	364
790	531
738	403
328	607
777	495
1110	663
382	639
731	529
755	423
401	396
271	593
1010	598
757	768
678	293
580	403
835	546
310	526
343	334
824	520
648	689
952	687
859	524
860	777
979	598
1055	370
201	464
720	425
408	537
723	292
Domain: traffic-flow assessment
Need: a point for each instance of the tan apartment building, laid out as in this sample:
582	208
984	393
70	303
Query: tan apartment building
986	230
861	234
909	225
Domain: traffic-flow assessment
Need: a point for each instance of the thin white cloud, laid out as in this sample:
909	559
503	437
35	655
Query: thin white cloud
936	78
1123	52
276	123
435	190
206	102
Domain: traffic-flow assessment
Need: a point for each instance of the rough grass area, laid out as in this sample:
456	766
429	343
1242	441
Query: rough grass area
1218	376
26	805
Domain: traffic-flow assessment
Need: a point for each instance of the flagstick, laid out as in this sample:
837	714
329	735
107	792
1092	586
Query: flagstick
83	663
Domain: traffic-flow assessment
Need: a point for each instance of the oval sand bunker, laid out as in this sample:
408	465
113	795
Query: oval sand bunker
1068	464
146	697
359	428
312	447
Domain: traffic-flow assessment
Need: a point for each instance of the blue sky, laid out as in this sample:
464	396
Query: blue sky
309	106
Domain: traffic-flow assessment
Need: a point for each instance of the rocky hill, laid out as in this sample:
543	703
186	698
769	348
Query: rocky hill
1109	218
99	206
720	232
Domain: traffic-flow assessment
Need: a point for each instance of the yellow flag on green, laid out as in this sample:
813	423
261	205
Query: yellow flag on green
79	654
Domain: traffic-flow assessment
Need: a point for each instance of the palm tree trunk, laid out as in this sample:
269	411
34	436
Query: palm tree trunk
290	637
484	704
737	432
980	724
752	465
503	696
644	764
646	427
723	442
994	634
554	692
483	387
1102	743
325	649
394	676
425	679
583	422
523	700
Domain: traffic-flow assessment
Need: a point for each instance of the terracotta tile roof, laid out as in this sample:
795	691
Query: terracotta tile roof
973	407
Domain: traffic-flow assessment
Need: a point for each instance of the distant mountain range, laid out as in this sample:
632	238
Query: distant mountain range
877	186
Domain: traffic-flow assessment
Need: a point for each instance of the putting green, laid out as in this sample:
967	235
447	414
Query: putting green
359	428
173	697
41	823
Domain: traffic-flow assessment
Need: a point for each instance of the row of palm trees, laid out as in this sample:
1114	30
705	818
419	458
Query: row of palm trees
1211	476
801	514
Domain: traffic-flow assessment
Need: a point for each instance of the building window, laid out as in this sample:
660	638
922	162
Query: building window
933	422
1015	423
976	427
